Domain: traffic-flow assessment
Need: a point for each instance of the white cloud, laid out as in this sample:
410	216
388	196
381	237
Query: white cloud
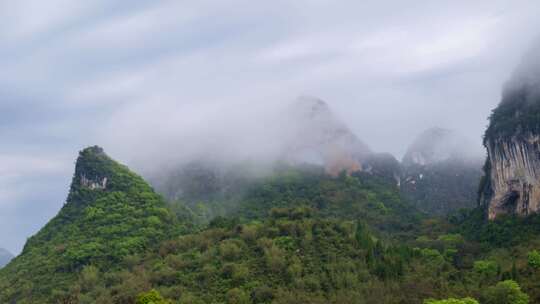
26	19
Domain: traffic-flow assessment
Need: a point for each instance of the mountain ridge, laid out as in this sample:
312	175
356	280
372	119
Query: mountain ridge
110	213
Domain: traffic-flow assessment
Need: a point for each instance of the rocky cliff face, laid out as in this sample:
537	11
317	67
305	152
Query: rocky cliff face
511	184
514	175
440	172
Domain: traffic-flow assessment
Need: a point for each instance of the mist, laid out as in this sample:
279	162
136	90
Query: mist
158	84
526	76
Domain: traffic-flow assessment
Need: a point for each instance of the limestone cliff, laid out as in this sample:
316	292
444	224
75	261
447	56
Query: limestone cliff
512	172
512	184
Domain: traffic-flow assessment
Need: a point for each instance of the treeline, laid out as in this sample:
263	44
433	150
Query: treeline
294	256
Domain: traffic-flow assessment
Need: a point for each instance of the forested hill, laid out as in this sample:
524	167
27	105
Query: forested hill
296	236
374	199
110	213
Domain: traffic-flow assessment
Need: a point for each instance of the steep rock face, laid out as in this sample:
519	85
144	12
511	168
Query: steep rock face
511	184
514	175
5	257
440	172
512	172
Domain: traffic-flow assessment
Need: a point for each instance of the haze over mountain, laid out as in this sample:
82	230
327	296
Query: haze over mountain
441	171
316	135
305	132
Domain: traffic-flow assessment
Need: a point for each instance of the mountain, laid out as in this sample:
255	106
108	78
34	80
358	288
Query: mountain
512	139
298	235
317	135
361	195
440	172
310	134
5	257
110	213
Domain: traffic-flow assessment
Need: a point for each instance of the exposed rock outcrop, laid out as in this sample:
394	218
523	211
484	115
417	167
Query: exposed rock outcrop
514	175
511	184
90	173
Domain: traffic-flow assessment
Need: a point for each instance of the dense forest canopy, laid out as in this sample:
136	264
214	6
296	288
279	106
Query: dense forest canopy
517	114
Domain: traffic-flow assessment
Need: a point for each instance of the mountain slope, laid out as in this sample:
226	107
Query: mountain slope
110	213
440	173
297	256
5	257
294	257
361	195
311	134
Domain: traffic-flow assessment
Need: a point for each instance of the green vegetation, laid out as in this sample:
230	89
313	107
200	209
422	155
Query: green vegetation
97	227
373	199
151	297
291	256
297	255
506	292
298	236
452	301
517	114
534	259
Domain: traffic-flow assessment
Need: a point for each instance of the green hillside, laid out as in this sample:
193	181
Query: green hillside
296	236
373	199
296	255
110	213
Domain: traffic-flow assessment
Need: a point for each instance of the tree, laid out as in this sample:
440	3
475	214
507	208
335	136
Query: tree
506	292
363	236
452	301
487	272
533	259
151	297
237	296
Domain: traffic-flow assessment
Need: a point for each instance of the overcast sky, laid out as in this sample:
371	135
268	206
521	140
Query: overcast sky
134	76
